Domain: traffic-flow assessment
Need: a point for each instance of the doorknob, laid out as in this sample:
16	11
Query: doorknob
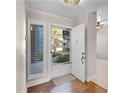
82	60
83	53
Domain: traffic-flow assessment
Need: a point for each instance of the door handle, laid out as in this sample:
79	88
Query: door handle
83	53
82	60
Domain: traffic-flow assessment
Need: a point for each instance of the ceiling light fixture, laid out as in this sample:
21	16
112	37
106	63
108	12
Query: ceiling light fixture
72	2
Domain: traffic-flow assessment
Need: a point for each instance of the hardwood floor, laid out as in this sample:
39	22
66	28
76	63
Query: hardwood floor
74	86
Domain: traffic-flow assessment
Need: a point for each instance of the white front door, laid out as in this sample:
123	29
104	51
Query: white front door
78	52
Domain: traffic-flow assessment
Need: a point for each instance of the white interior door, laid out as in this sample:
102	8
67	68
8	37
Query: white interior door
78	52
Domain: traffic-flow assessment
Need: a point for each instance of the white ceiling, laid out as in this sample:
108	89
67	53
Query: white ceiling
59	8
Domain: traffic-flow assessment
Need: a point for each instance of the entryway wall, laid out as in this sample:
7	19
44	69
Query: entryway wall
20	47
102	48
90	22
102	34
102	58
50	19
102	44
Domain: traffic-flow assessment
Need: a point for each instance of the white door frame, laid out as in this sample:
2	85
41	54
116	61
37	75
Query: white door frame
49	49
29	76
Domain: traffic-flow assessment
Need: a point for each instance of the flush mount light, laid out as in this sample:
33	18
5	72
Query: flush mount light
72	2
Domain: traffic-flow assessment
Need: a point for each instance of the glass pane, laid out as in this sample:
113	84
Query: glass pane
36	48
60	45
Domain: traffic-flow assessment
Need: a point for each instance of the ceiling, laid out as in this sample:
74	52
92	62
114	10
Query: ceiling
60	8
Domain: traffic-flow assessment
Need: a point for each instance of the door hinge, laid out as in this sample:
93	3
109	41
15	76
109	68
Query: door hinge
25	37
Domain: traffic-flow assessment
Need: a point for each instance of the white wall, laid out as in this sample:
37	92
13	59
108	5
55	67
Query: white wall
49	18
80	20
89	20
102	13
102	44
61	70
20	47
55	19
102	34
91	47
102	48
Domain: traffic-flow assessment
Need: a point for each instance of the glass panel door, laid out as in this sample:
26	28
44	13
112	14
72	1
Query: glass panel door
35	49
60	45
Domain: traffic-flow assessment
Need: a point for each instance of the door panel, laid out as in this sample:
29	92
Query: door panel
35	49
78	52
60	44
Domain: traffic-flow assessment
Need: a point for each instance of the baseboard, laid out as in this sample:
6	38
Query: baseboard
64	69
37	81
90	78
61	76
24	89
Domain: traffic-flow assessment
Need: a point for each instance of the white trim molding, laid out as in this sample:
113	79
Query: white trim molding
49	14
24	90
38	81
90	78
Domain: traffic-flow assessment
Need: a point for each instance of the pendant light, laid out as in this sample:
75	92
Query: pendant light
72	2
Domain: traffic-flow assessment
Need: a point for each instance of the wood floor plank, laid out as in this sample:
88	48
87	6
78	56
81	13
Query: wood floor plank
74	86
